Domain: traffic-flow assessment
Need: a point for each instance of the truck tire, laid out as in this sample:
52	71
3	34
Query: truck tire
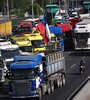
63	80
40	93
52	86
60	79
48	89
58	82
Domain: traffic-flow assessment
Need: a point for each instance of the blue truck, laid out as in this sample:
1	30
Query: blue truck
37	74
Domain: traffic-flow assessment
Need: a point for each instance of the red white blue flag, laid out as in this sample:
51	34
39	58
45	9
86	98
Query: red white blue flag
44	29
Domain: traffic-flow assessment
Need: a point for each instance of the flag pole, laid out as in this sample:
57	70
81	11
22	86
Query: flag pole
44	7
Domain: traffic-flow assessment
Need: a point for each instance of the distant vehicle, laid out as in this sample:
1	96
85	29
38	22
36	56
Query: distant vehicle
81	35
67	33
36	41
8	51
2	74
86	5
22	41
74	17
27	26
37	74
34	21
5	28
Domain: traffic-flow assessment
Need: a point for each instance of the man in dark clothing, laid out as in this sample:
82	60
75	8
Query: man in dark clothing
82	62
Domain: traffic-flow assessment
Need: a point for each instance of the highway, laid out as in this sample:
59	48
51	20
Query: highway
73	77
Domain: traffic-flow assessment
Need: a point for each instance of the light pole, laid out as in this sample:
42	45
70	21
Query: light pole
59	7
8	9
32	10
66	6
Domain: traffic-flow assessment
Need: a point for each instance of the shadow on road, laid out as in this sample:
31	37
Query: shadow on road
73	74
80	53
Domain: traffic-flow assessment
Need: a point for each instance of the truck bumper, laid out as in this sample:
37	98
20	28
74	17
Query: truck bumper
29	95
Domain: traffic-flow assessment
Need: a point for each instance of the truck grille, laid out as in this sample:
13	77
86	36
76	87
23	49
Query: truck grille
82	43
21	88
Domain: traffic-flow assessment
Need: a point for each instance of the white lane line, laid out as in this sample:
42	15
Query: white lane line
76	63
73	65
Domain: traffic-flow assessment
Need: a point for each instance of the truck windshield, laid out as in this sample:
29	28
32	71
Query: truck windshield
38	43
22	74
9	53
82	35
26	48
53	39
25	29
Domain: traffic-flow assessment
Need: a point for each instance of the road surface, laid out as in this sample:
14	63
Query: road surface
73	77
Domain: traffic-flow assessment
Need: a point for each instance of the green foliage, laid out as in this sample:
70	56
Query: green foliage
19	12
19	7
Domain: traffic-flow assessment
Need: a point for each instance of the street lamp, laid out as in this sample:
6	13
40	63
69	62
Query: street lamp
32	10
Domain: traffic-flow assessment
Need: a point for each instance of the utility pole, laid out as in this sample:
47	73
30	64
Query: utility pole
32	10
66	6
8	9
59	7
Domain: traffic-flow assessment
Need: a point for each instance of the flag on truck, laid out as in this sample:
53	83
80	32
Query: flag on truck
44	29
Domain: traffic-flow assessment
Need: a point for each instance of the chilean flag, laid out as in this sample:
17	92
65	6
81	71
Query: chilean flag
44	29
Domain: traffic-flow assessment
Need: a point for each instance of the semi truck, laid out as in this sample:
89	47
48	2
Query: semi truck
37	74
22	41
82	35
36	41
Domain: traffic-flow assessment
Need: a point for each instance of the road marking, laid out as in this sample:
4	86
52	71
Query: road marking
76	63
73	65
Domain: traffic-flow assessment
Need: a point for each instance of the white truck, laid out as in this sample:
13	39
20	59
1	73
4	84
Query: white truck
82	34
7	52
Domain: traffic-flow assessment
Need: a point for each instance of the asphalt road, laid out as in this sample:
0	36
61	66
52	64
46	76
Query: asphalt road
73	77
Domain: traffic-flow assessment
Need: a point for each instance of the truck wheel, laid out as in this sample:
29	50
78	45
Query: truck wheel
52	86
63	80
60	80
40	93
48	89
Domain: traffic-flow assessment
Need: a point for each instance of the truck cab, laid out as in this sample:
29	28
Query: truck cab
23	42
28	76
37	41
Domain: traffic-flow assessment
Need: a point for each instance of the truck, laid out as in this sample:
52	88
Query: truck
36	41
82	92
37	74
8	51
27	25
81	35
5	28
2	75
22	41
